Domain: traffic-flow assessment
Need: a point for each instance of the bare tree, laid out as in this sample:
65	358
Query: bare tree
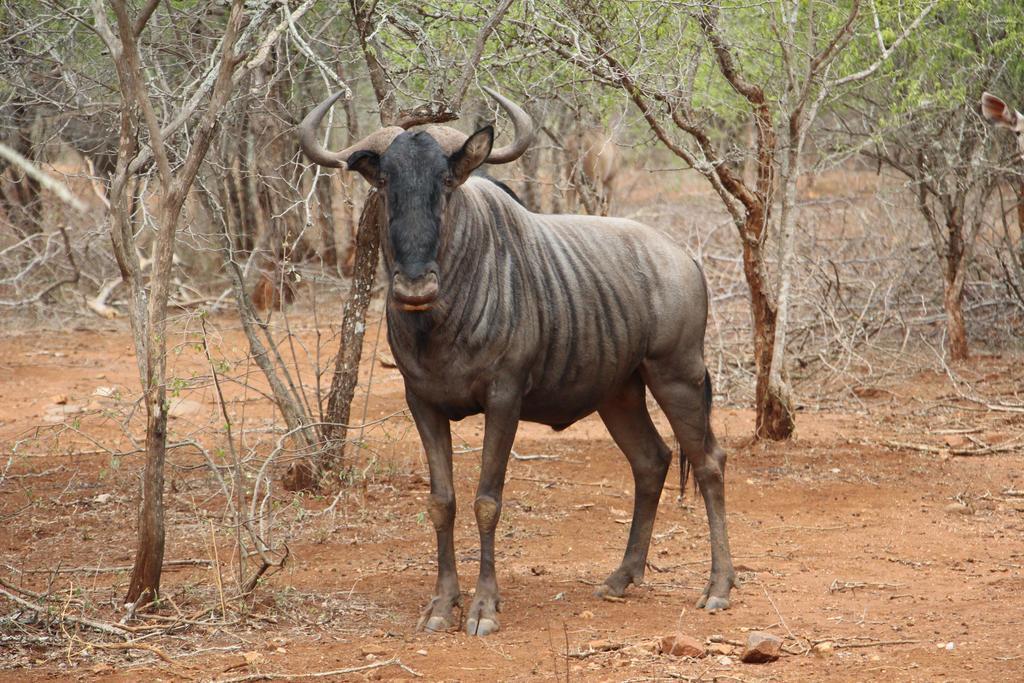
938	141
148	306
782	105
952	192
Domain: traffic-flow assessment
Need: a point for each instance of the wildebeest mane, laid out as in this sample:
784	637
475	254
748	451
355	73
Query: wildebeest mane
508	190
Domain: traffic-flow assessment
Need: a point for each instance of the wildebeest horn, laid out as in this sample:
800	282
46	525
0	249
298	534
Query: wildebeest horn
377	141
523	125
451	139
448	138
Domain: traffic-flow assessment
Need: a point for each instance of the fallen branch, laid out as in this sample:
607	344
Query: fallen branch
515	456
103	627
394	661
726	641
23	591
565	482
112	570
926	448
540	456
590	651
131	645
838	586
874	643
98	304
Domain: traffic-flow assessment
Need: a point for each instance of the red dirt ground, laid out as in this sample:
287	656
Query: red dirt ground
909	558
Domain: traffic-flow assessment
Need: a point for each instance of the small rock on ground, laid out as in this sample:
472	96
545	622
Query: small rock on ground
183	407
761	648
679	645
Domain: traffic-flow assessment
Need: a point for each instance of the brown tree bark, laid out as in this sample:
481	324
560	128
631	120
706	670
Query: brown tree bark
952	300
1020	212
144	584
325	219
954	273
774	414
530	164
353	329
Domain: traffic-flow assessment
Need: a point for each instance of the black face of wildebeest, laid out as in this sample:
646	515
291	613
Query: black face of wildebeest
417	178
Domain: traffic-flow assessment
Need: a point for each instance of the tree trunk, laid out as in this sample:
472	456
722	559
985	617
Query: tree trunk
775	419
325	216
954	273
1020	214
953	299
149	554
530	163
556	163
779	420
343	185
353	328
144	584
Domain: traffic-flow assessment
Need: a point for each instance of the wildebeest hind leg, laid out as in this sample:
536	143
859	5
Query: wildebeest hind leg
649	457
687	404
435	433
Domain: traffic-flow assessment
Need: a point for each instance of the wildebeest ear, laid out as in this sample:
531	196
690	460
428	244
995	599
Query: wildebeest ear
367	163
473	153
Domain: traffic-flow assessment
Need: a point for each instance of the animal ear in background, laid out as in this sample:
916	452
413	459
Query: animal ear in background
473	153
367	163
998	112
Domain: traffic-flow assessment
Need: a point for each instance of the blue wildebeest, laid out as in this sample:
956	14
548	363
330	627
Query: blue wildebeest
493	309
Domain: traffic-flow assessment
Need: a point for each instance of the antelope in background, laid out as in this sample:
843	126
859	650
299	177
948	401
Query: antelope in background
592	164
1000	114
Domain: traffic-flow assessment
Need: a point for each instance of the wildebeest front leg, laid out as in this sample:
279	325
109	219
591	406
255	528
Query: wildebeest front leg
500	423
649	457
435	433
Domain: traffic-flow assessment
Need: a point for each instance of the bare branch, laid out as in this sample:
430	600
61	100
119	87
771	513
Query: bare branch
469	70
886	52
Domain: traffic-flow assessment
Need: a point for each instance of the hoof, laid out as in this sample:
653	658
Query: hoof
610	593
481	627
715	596
614	587
482	619
437	625
712	603
437	616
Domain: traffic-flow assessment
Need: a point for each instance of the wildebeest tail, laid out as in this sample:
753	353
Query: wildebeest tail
684	463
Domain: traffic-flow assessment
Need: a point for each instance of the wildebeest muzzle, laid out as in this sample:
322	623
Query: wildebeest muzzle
415	294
